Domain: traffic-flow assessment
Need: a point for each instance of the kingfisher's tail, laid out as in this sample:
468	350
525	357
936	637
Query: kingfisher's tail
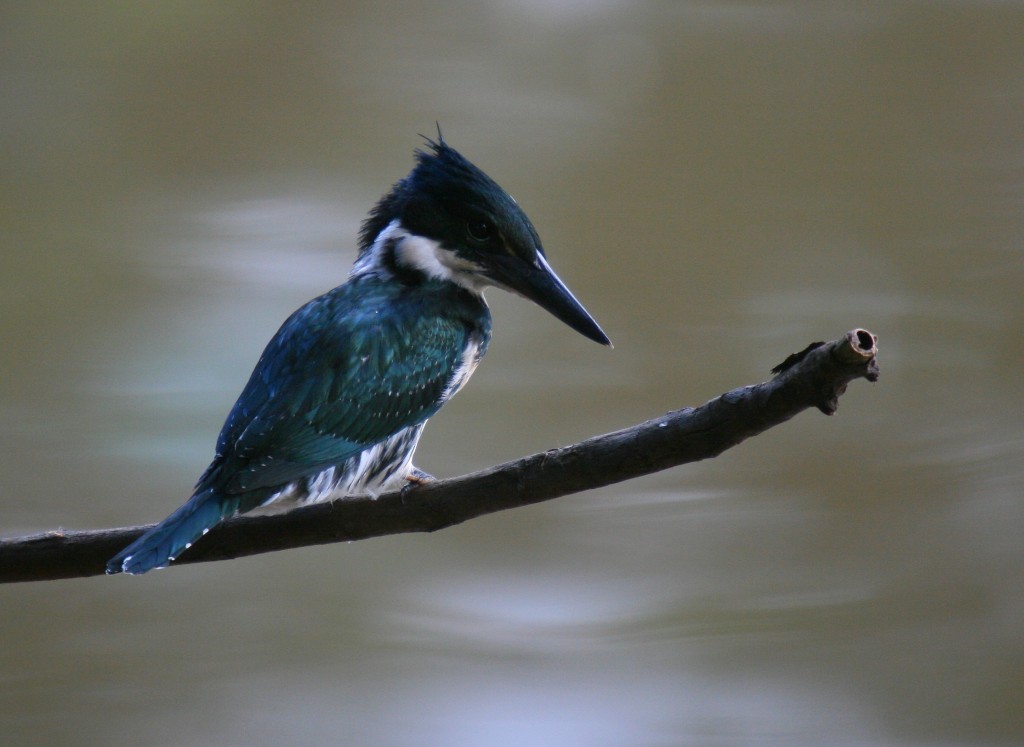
175	534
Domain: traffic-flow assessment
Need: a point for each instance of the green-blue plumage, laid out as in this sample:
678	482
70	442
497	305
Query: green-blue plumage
345	371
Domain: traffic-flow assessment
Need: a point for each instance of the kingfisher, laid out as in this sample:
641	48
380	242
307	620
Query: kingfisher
337	401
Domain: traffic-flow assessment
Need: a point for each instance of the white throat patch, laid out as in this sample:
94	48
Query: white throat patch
433	260
424	255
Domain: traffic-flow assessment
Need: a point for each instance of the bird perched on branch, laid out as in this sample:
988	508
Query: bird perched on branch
339	398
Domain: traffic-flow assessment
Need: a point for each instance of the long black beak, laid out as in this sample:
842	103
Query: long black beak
539	283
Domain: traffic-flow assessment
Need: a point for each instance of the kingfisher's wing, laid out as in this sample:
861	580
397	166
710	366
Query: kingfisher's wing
345	371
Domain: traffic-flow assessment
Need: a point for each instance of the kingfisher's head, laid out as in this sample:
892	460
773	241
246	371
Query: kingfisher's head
448	221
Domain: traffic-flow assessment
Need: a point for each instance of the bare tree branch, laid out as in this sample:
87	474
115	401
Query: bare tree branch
815	377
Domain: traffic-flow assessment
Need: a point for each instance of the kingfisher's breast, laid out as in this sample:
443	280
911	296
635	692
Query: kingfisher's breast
465	367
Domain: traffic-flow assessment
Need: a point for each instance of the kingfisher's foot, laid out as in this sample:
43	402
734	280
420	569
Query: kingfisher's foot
416	478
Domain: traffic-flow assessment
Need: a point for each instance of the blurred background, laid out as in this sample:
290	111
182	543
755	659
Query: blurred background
720	183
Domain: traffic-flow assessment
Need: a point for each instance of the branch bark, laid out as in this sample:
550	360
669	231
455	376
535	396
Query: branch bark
815	377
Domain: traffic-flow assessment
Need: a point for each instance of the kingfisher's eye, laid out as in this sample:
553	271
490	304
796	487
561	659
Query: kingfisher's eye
480	230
